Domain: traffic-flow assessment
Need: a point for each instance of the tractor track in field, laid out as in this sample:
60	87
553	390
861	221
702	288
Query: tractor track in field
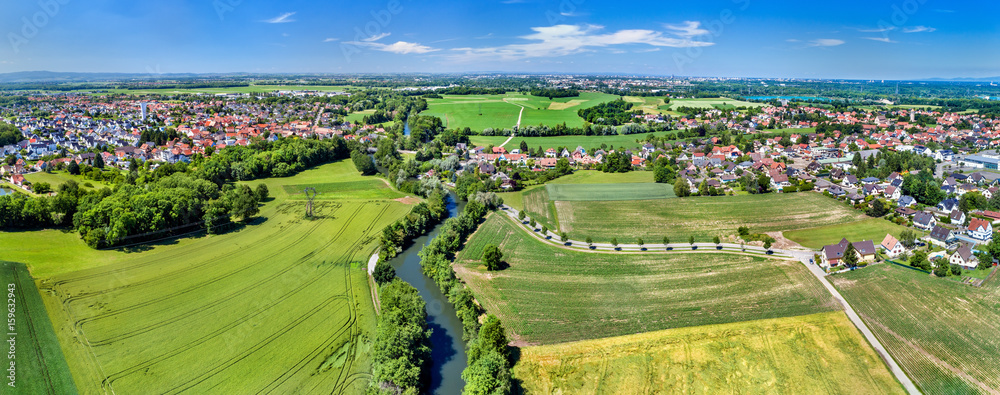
33	333
356	245
298	366
179	272
79	323
180	253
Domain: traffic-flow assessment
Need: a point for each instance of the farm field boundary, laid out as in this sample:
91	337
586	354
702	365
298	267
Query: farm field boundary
783	355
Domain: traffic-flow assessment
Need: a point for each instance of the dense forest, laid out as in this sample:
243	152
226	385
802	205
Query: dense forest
611	113
9	134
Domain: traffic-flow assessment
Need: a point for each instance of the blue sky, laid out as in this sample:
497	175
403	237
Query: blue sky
733	38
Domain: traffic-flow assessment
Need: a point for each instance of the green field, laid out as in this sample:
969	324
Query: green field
365	189
813	354
609	192
873	229
59	177
282	305
538	206
701	217
599	177
551	295
571	142
39	362
942	333
716	103
480	112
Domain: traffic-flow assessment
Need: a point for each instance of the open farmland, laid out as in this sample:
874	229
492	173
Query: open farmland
703	217
942	333
551	295
538	206
600	177
813	354
282	305
571	142
609	192
480	112
873	229
40	366
720	103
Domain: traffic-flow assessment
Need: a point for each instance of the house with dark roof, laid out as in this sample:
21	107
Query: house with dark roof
964	257
957	217
942	235
924	221
833	254
948	205
906	201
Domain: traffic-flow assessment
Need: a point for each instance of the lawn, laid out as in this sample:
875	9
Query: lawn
40	365
701	217
281	305
812	354
609	192
599	177
480	112
59	177
551	295
720	103
942	333
590	143
873	229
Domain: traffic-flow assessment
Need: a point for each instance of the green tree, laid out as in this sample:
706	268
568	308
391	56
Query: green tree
532	223
520	216
614	242
640	242
99	161
666	240
363	163
681	187
524	147
562	166
73	168
545	230
909	238
717	240
942	269
564	237
243	203
877	209
850	256
663	174
767	245
384	273
42	188
492	256
691	240
262	192
590	241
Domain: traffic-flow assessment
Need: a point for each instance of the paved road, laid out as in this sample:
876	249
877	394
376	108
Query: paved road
805	257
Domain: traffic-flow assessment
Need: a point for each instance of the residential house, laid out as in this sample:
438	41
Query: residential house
964	257
833	254
948	205
957	217
906	201
892	247
980	229
941	235
924	221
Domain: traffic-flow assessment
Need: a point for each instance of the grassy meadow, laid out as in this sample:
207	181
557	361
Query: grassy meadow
551	295
720	103
873	229
479	112
600	177
942	333
609	192
812	354
59	177
40	365
701	217
281	305
571	142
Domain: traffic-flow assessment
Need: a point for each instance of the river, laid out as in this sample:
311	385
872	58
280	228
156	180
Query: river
447	349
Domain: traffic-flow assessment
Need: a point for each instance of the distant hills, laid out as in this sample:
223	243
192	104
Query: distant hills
983	79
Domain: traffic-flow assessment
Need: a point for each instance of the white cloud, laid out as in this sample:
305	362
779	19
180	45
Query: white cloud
919	29
880	30
376	37
826	42
689	29
562	40
283	18
330	40
400	47
882	39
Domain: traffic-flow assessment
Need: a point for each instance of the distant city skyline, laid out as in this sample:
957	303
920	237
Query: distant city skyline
892	40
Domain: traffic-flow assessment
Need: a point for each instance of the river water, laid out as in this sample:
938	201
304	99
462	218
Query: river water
5	191
447	350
